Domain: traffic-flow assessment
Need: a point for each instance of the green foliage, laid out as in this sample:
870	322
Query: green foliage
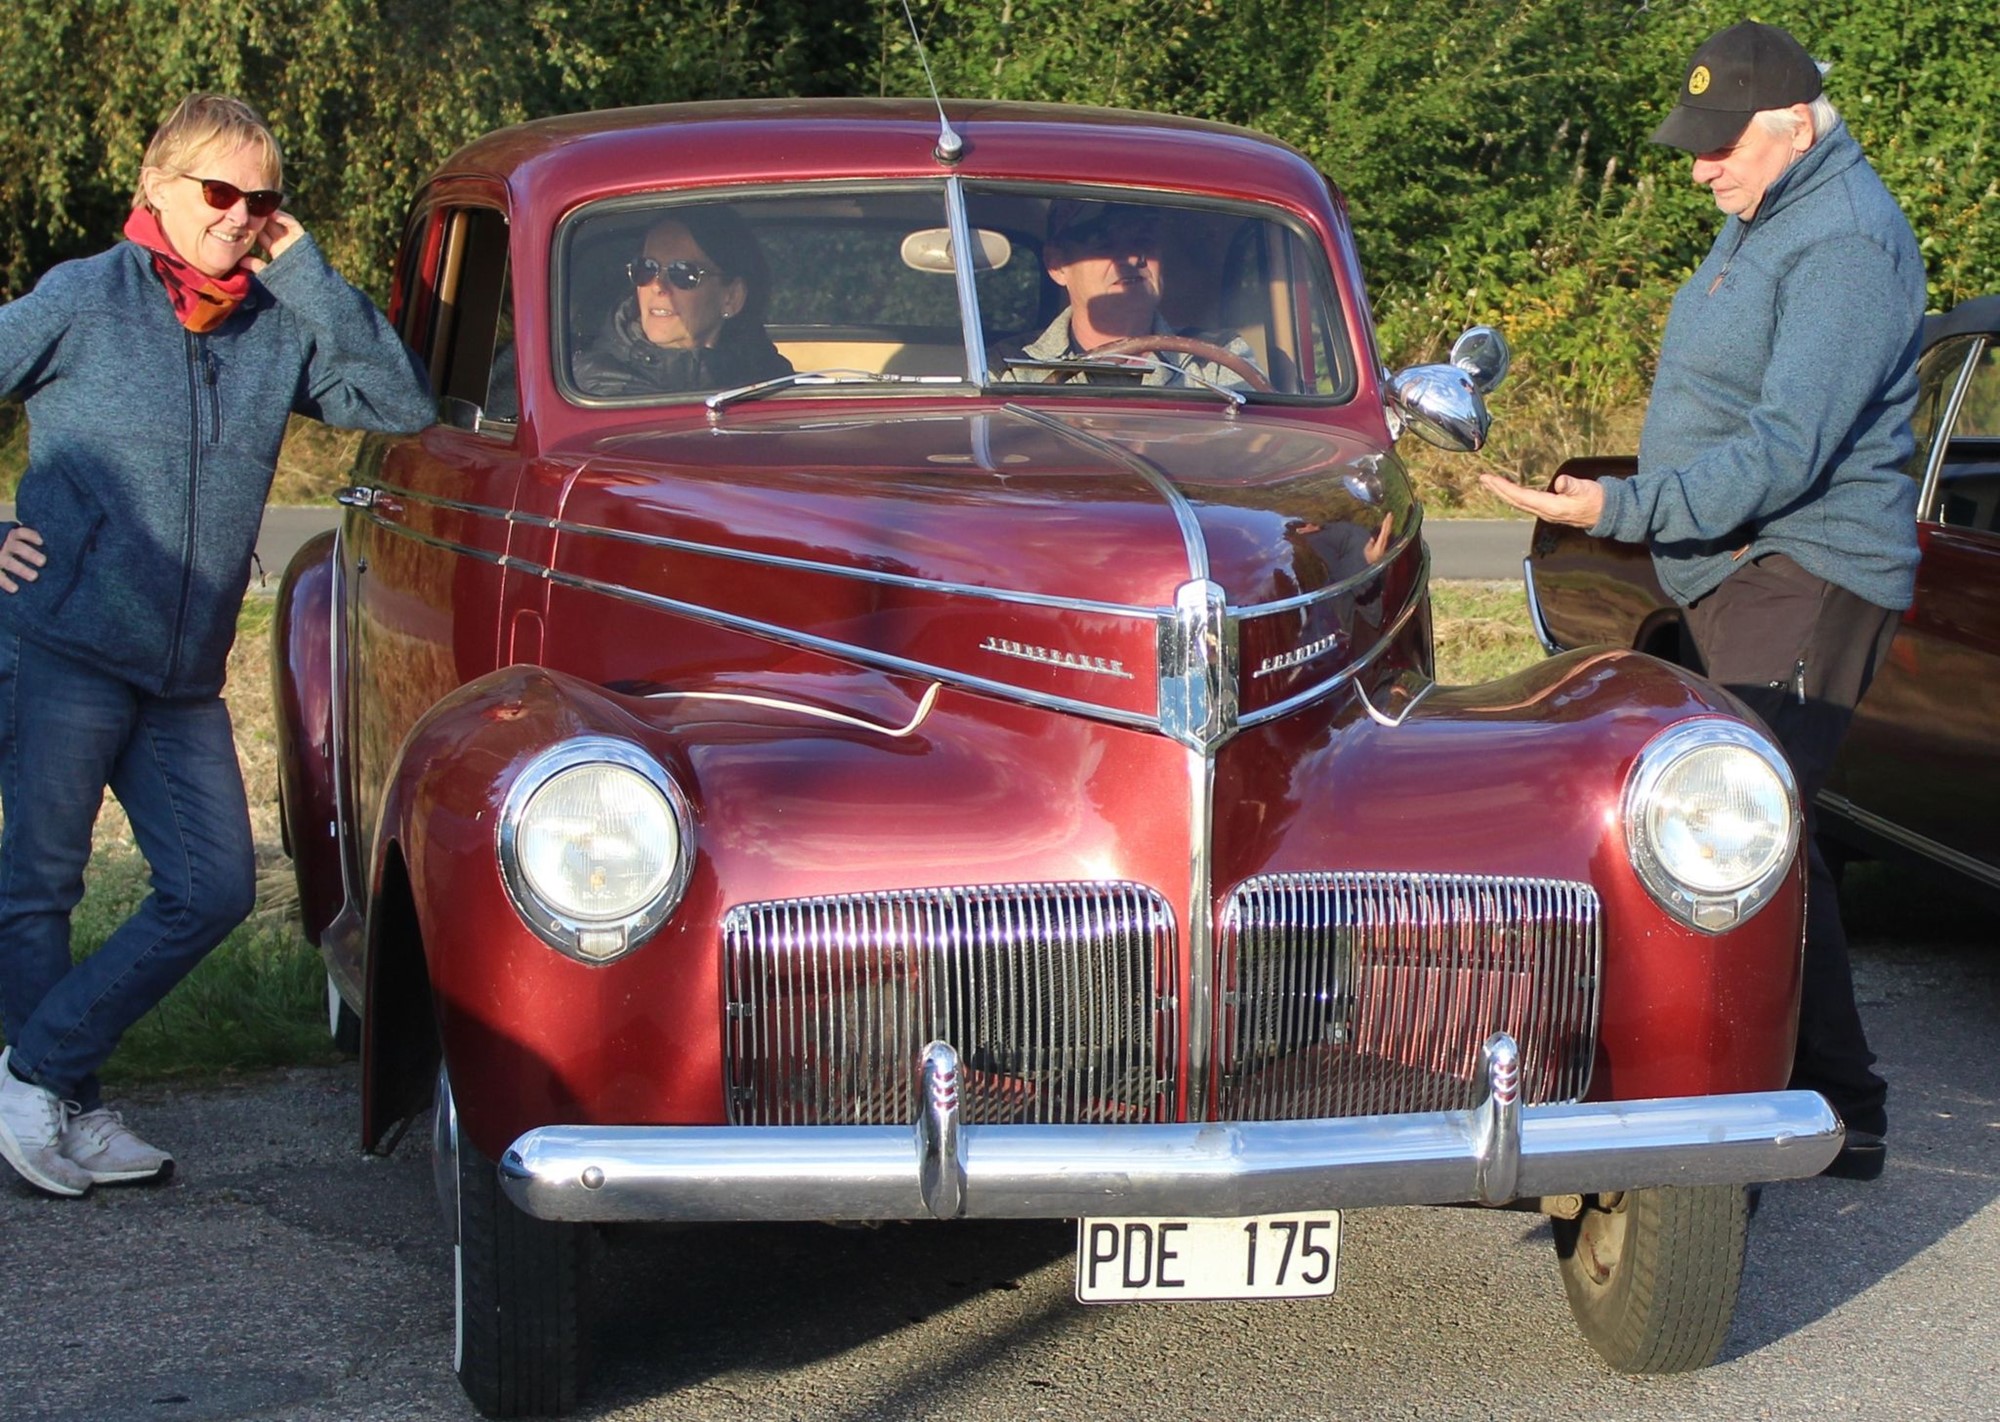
1494	153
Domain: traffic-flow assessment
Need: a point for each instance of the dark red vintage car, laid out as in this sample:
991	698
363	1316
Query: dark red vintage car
1918	778
900	762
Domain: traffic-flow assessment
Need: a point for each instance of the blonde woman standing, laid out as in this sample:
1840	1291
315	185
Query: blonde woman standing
157	377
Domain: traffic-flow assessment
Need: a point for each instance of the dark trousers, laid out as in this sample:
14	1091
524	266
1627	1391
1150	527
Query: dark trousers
1800	652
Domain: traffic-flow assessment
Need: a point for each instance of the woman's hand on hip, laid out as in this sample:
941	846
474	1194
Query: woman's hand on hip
21	557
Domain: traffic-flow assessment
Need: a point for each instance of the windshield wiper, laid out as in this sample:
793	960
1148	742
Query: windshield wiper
722	399
1128	365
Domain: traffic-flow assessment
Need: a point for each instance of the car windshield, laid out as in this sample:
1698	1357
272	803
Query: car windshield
1077	289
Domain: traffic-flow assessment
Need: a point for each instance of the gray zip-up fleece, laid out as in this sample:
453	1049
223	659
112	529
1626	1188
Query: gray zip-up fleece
151	449
1780	416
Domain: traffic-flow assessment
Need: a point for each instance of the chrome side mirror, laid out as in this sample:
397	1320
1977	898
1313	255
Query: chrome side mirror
1483	354
1442	402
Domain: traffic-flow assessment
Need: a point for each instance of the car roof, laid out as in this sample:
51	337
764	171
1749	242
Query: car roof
1979	315
574	157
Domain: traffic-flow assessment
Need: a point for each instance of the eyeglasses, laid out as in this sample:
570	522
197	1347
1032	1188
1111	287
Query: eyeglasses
684	275
260	202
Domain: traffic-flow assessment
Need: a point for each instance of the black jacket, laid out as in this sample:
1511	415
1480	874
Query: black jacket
621	361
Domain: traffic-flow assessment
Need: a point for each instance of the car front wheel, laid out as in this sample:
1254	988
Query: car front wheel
1652	1274
518	1343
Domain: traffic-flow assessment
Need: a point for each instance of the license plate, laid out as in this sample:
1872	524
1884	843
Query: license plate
1263	1257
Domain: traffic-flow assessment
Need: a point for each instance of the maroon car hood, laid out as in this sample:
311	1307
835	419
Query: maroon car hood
1112	507
1012	549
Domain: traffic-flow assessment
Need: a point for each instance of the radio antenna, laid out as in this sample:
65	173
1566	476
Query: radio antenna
950	147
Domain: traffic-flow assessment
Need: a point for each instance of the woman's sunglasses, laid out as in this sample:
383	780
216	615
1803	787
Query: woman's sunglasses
684	275
260	202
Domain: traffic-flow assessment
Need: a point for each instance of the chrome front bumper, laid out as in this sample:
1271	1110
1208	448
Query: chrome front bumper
1496	1152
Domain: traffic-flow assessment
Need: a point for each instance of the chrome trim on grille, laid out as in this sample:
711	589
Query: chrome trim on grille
1057	999
1370	993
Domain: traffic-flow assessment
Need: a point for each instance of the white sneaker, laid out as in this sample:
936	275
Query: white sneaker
106	1149
31	1126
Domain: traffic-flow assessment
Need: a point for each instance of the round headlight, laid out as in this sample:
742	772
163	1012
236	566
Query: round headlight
1711	821
594	846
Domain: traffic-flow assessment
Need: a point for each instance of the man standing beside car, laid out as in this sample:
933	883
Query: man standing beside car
1770	481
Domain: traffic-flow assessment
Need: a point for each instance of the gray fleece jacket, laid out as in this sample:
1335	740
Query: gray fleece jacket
1780	416
151	449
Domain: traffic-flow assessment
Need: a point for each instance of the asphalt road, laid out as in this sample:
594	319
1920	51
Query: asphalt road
283	1275
1484	548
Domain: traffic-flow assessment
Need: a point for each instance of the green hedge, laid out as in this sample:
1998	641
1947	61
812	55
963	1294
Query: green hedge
1493	153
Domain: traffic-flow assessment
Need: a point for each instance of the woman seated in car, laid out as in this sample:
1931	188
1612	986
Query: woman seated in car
694	321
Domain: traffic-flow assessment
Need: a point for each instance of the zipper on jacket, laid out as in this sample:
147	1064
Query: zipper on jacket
199	373
210	374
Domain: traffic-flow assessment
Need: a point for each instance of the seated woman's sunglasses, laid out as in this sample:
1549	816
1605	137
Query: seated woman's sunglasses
684	275
259	202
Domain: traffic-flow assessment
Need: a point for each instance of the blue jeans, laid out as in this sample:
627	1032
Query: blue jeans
67	731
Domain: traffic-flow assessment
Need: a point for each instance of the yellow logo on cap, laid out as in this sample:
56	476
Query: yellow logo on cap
1698	80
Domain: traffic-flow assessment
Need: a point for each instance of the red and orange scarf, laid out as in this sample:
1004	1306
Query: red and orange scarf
202	302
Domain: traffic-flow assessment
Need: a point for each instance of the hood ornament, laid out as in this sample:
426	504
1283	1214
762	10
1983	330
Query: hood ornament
1198	667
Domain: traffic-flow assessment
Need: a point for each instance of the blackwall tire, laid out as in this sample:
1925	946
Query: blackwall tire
1652	1279
521	1294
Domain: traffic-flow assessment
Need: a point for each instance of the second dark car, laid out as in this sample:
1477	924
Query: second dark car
1919	774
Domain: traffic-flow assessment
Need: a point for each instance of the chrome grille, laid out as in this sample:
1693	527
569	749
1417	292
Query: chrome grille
1056	996
1369	993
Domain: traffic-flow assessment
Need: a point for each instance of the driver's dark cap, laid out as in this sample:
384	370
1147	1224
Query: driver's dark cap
1074	221
1741	71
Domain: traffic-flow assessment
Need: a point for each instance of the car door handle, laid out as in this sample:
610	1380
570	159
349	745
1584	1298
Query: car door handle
362	496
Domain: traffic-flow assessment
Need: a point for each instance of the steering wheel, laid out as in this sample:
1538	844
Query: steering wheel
1188	345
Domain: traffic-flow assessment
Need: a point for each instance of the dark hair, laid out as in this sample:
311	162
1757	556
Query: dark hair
726	239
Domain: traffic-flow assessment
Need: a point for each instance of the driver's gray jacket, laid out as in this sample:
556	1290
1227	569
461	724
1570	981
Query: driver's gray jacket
1174	368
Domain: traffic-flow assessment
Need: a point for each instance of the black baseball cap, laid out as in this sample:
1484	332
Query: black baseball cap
1736	73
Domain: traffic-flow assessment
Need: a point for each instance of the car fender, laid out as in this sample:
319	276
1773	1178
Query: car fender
302	691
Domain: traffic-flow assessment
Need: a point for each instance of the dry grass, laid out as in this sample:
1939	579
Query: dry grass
1481	630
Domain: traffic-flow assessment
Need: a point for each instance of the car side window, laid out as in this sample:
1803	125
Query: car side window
455	309
1969	479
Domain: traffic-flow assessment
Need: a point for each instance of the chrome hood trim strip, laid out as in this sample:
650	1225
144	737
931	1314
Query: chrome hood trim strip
1154	477
1209	690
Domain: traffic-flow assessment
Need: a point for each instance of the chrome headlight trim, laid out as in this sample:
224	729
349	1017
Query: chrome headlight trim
590	939
1715	908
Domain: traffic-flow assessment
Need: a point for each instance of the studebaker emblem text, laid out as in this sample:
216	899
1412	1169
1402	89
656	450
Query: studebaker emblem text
1297	656
1049	656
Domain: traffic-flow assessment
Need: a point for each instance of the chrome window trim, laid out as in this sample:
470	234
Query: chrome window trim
559	930
1295	224
970	318
664	198
1941	438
